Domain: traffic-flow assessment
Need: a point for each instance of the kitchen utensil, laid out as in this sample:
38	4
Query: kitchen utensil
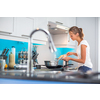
23	56
51	66
6	52
67	64
3	51
38	66
2	64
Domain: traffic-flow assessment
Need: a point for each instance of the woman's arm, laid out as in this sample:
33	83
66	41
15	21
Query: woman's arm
72	53
75	54
83	55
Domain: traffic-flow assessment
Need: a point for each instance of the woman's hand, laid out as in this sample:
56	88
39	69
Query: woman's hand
69	53
66	58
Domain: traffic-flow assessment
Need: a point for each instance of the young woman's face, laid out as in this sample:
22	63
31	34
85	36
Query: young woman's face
73	36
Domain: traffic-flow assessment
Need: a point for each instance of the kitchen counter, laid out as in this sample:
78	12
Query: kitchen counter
45	76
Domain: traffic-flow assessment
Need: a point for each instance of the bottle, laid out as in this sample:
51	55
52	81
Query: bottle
2	64
11	61
13	51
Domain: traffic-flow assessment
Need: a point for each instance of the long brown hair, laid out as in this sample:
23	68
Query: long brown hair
75	30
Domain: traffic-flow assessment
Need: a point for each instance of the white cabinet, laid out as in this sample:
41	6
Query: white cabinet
6	24
19	27
23	26
40	22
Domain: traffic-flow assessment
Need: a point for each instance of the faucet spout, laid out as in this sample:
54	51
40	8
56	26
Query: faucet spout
51	47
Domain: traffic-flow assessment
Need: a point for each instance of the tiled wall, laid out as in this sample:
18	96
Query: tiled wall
62	51
19	45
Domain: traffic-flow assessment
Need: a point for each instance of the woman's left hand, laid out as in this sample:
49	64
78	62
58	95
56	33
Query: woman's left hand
66	58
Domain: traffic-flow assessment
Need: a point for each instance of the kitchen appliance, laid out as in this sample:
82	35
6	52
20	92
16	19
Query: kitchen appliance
57	28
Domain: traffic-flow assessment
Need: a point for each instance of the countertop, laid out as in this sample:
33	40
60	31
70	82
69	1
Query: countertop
50	75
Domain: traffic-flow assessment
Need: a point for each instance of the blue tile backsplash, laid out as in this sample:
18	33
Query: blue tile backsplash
19	45
62	51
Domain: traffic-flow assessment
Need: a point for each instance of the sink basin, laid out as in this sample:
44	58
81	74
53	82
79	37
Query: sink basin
13	71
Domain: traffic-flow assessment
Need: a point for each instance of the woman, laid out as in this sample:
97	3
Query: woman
83	50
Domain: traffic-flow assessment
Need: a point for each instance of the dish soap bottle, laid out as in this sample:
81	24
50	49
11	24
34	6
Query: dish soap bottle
11	61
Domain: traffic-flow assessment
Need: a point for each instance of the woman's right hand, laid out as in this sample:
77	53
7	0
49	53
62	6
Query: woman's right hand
69	53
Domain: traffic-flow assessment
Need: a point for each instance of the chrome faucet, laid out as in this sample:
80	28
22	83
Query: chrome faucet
51	47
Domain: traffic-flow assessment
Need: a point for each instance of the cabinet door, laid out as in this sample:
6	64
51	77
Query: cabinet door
6	24
40	22
23	26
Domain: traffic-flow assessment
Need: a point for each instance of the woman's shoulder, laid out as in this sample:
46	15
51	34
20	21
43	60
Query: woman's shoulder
84	42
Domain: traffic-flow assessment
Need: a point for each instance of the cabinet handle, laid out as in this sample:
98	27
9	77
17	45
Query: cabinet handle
26	35
5	32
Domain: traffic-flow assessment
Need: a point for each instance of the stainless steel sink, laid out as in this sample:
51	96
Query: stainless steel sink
13	71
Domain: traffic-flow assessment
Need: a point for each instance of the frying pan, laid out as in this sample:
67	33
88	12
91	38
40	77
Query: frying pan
48	65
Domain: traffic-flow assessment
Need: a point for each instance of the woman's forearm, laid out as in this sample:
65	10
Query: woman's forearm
75	54
78	60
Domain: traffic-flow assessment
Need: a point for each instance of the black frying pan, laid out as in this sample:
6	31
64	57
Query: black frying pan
48	65
52	67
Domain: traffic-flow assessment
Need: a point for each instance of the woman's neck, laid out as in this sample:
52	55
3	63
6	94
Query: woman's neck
79	40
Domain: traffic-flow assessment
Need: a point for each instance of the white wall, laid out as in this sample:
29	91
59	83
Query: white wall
44	53
89	26
99	44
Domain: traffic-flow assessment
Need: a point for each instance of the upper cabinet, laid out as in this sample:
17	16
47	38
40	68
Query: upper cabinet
23	26
40	22
6	24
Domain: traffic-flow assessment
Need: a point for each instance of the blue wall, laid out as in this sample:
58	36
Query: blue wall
62	51
19	45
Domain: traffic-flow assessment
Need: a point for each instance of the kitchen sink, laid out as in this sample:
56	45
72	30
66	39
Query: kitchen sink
13	71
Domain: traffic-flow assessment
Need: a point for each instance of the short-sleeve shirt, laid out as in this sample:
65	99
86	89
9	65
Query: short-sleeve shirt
88	62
